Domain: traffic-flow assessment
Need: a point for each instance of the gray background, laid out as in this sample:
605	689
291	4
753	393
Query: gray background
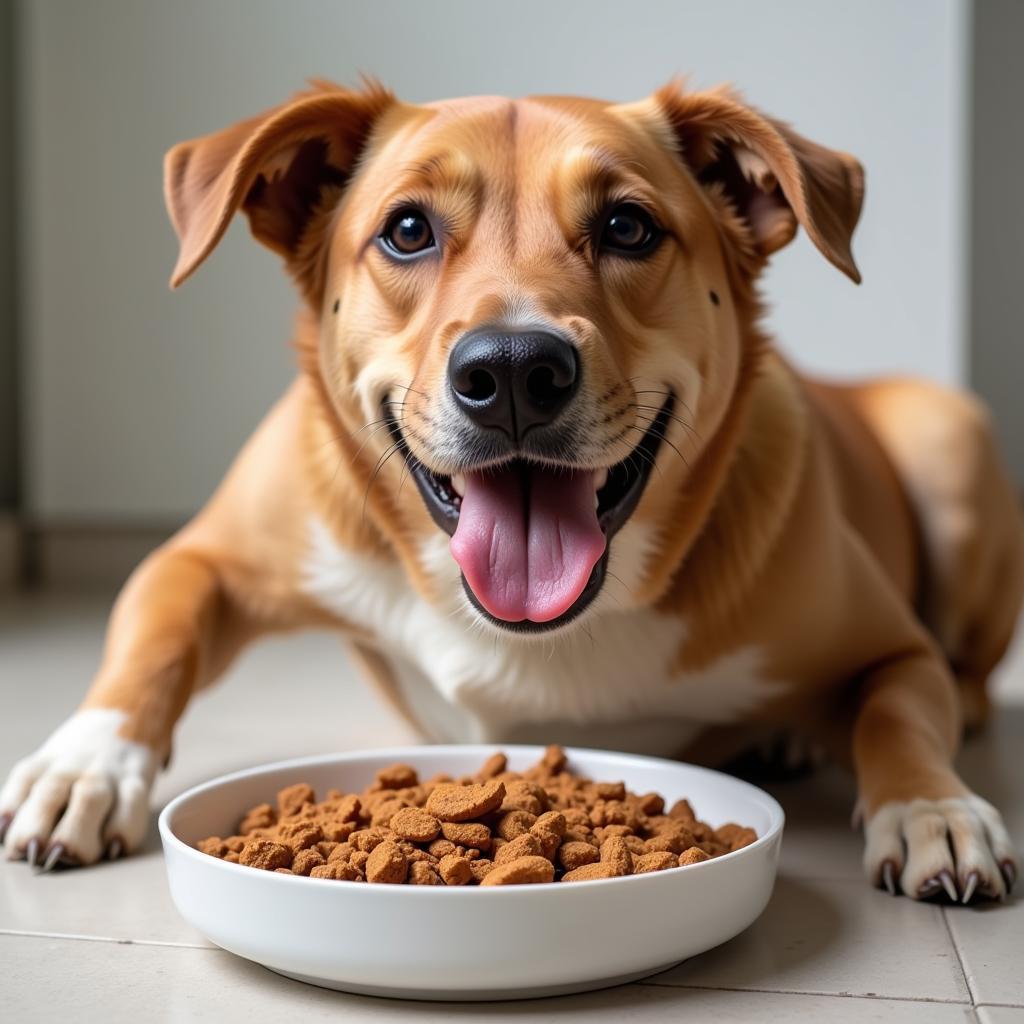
133	399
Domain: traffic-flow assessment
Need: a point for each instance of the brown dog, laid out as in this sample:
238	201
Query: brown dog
626	521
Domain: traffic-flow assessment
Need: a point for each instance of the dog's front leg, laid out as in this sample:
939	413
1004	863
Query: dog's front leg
925	830
85	791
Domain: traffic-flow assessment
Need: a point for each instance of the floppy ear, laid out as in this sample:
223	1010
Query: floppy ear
278	167
775	178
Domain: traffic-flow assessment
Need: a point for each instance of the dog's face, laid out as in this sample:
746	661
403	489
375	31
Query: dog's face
540	308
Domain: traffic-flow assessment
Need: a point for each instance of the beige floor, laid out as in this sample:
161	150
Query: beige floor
107	944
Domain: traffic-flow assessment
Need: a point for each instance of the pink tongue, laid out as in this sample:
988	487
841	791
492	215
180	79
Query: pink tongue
527	540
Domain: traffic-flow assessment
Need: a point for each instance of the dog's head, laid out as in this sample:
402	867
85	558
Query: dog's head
543	308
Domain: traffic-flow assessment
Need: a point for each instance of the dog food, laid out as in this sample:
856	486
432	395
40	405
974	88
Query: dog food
494	828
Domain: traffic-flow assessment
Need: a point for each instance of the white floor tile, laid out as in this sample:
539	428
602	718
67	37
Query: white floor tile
834	936
1000	1014
990	941
127	983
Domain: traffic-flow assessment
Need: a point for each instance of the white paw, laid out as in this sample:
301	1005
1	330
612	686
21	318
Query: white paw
958	846
84	793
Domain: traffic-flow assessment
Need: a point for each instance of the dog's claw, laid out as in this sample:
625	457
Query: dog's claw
5	824
929	887
889	877
1008	868
32	852
969	886
949	885
114	849
51	857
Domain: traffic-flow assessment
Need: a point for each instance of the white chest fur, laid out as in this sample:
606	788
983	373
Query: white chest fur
608	684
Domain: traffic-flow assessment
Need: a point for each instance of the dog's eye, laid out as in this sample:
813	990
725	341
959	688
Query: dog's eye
630	230
408	232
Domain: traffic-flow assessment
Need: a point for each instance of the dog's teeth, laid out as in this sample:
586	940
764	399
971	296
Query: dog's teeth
459	484
600	479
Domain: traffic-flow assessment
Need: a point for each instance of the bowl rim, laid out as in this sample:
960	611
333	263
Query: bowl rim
409	752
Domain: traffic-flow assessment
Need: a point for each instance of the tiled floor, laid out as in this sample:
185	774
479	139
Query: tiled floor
107	943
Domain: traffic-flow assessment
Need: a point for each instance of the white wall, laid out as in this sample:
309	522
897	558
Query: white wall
136	398
997	221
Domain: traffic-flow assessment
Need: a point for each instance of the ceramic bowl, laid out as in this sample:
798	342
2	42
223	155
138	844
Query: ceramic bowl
427	942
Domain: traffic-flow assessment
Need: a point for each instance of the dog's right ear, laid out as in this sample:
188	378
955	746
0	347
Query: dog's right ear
279	167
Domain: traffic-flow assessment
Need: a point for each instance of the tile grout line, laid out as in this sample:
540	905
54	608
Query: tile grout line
959	956
72	937
798	992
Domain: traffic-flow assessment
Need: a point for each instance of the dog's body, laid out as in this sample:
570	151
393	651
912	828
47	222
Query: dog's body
841	562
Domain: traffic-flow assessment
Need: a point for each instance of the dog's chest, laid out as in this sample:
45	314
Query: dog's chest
613	684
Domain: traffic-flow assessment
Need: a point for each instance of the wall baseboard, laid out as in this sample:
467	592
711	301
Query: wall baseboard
85	557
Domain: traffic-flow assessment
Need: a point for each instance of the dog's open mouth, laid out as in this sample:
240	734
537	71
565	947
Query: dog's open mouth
531	539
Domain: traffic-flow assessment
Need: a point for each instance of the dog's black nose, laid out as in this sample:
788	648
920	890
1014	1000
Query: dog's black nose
513	381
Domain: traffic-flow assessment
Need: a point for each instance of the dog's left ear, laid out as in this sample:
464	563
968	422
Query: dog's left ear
276	167
775	178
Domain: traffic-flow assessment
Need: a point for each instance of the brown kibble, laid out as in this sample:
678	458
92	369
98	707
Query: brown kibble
494	765
575	855
415	824
526	845
336	871
682	811
384	810
481	868
441	847
326	847
735	837
515	823
422	873
341	853
467	833
367	838
495	827
260	816
668	842
524	796
694	855
658	861
554	759
387	864
651	803
300	835
612	831
615	853
589	872
337	831
214	846
264	854
305	860
291	799
576	817
455	870
397	776
524	871
549	828
744	837
461	803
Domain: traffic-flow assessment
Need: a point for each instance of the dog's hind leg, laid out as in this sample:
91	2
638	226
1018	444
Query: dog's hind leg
941	444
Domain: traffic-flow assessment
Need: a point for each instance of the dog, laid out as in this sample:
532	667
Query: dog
544	470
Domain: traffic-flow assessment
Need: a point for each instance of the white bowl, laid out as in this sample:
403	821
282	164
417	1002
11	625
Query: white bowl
427	942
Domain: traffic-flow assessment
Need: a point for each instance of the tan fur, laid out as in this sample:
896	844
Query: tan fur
863	536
